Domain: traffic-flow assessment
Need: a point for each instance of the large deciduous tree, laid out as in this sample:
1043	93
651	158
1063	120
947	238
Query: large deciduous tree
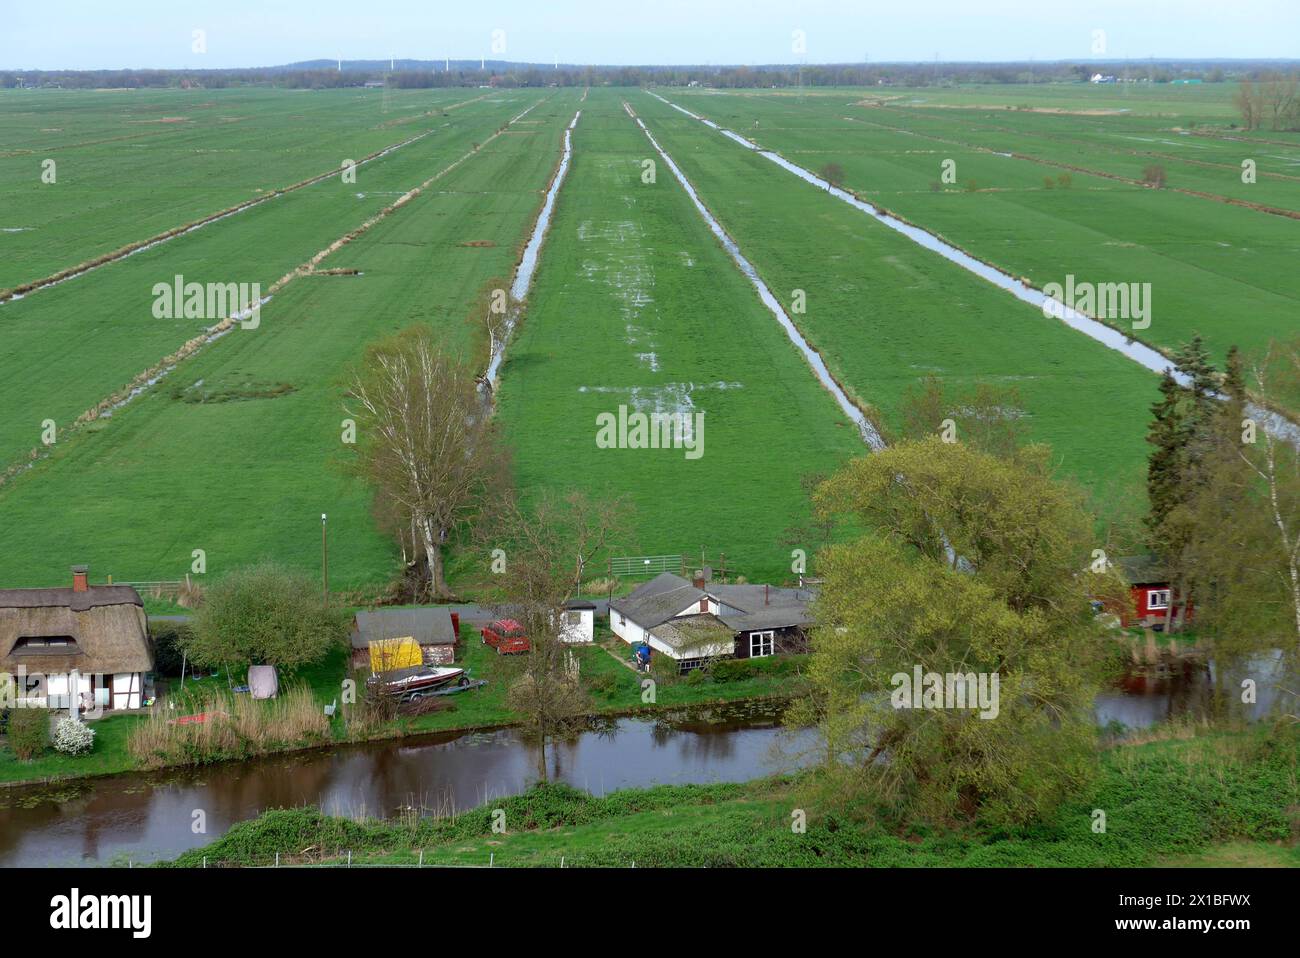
975	564
426	443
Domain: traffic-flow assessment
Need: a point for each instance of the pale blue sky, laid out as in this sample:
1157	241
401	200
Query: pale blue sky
93	34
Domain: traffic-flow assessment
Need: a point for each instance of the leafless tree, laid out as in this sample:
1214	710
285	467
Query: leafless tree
547	548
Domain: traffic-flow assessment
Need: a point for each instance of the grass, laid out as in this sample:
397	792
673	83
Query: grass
1221	270
885	312
249	479
98	331
134	163
636	304
1222	799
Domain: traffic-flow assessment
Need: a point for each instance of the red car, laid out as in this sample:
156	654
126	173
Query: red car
506	636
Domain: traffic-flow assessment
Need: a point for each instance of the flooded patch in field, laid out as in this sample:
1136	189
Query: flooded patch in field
868	432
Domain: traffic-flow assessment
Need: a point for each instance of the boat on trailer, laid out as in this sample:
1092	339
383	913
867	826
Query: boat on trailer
418	681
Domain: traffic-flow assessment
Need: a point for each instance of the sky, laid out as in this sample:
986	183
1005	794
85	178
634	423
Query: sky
111	34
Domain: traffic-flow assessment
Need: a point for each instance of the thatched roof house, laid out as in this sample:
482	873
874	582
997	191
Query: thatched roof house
98	631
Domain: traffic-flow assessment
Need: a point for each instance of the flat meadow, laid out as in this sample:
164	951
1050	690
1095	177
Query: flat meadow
129	164
1223	270
238	450
885	313
636	304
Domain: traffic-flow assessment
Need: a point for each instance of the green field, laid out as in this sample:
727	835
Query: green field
171	472
637	304
885	313
236	450
130	164
1225	271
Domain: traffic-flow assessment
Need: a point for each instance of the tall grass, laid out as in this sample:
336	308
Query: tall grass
237	727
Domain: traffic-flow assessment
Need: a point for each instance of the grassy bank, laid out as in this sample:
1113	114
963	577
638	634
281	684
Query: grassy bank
1224	798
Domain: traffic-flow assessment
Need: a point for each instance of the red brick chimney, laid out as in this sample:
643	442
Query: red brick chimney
79	574
698	579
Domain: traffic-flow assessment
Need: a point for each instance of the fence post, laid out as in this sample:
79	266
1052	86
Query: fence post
421	859
349	858
277	859
492	857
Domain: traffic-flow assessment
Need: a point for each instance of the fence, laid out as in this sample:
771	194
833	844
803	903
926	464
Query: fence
645	565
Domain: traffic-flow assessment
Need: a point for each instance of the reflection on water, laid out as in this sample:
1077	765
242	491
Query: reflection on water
1195	686
144	817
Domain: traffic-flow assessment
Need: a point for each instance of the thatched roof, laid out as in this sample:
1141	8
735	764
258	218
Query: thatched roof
99	630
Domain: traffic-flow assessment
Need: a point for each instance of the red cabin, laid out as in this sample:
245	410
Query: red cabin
506	636
1150	590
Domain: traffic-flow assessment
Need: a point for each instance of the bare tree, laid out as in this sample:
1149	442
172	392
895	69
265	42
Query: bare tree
547	549
426	444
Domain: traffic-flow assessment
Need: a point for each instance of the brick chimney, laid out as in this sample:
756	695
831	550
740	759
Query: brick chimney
698	579
79	574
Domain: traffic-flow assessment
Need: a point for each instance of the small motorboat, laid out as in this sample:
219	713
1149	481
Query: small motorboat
417	681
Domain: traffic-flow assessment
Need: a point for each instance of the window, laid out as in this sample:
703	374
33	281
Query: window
689	665
46	645
761	644
573	618
1157	598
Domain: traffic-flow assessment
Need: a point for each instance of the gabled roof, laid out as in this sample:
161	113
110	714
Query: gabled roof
655	602
756	606
428	625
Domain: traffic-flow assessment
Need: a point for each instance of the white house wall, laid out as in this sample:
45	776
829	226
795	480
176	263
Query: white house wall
584	631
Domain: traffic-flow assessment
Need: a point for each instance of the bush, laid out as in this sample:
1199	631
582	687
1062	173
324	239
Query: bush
169	639
1154	175
603	684
29	731
73	737
737	670
265	614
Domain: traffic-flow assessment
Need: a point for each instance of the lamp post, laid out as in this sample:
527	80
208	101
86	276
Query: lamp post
324	563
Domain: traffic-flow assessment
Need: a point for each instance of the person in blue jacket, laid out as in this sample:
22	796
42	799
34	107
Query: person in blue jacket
643	656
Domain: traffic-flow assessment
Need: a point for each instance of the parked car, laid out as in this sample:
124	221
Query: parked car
506	636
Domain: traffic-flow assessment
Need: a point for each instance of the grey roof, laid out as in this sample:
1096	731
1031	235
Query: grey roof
758	606
1143	570
428	625
658	600
695	631
92	597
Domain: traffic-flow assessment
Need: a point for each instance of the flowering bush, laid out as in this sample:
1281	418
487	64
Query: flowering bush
73	737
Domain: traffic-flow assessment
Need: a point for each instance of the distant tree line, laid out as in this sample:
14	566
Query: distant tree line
427	74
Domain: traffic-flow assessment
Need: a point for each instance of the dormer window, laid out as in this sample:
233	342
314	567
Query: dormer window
45	645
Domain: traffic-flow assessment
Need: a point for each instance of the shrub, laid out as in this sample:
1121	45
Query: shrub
169	638
73	737
1154	175
29	731
603	684
1048	183
265	614
737	670
1065	180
